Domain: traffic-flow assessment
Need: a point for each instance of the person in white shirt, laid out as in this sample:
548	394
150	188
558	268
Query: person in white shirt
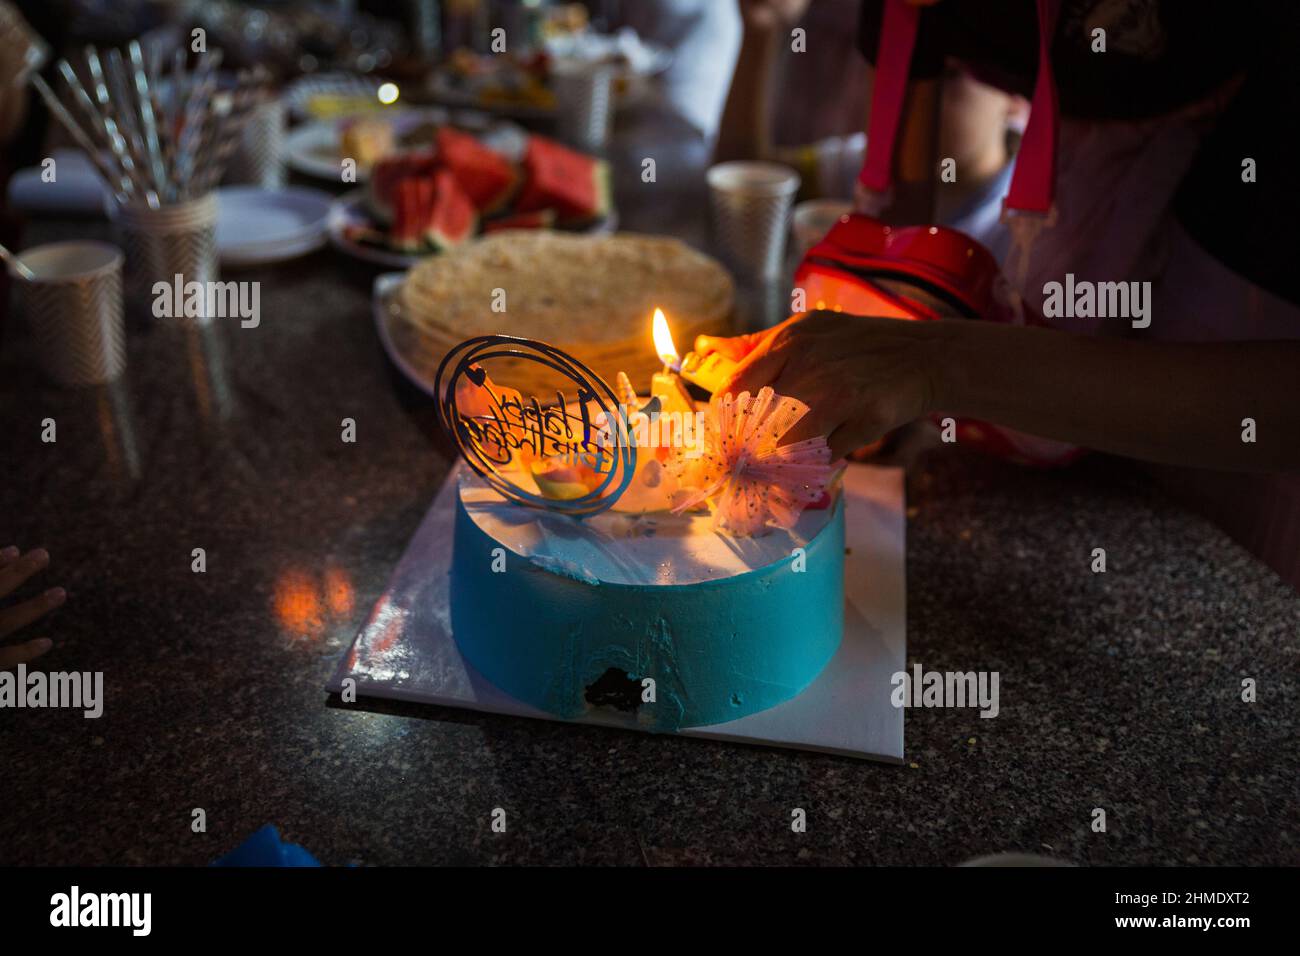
704	37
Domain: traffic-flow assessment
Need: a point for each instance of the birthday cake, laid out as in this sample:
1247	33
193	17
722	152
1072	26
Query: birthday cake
574	615
664	564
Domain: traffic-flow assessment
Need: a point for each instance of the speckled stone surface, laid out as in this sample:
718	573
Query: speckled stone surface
1118	690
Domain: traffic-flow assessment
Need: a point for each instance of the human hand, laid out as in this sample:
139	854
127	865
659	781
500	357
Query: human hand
860	377
772	14
14	570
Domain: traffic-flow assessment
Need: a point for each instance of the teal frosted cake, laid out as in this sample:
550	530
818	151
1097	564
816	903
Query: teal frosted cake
572	615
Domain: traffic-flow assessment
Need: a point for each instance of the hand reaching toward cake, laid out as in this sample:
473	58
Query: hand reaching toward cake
860	377
15	569
1156	401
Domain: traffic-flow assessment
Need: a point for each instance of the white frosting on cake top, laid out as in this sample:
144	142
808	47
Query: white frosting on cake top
658	548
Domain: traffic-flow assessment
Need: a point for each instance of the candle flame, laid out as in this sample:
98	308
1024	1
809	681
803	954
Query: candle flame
664	339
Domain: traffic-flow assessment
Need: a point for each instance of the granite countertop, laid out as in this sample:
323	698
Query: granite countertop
1118	690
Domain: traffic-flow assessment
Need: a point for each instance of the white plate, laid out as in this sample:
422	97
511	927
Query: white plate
350	210
301	91
313	150
269	225
384	309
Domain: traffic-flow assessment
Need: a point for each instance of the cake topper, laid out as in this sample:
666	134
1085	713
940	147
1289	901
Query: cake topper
573	455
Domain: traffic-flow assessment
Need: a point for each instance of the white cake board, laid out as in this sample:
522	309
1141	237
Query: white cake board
406	650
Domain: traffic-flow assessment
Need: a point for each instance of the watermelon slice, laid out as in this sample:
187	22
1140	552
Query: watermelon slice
387	173
542	219
413	201
488	178
431	213
453	218
574	185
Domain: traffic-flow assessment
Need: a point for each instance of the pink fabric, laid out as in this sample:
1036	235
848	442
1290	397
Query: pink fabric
1034	182
1115	186
889	90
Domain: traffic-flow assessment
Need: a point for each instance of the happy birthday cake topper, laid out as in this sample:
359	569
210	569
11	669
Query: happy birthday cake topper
574	455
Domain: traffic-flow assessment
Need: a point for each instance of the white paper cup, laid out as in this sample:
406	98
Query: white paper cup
584	101
814	218
161	244
750	204
74	306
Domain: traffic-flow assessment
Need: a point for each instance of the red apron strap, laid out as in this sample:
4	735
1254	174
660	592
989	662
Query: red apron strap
893	61
1033	184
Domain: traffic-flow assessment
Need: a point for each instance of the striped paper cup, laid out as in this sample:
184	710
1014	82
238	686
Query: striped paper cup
74	306
584	101
259	159
161	244
750	204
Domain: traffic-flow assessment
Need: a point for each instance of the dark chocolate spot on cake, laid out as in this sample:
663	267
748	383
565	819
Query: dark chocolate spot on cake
615	688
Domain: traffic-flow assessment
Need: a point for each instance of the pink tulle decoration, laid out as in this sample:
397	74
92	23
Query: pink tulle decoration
749	480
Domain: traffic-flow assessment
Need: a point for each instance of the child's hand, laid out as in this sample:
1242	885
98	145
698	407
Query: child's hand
14	570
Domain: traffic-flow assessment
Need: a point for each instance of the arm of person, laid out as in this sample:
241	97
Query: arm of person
1176	403
745	131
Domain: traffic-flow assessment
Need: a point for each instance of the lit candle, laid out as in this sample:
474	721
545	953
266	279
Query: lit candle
667	385
664	344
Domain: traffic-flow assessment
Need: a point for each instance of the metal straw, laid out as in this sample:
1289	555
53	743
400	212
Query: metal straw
150	122
242	102
83	140
121	147
124	104
17	264
159	150
203	82
97	121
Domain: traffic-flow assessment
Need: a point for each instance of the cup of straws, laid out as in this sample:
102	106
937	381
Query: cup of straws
160	132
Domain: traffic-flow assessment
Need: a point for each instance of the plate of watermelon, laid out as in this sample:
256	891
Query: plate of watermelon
423	201
318	148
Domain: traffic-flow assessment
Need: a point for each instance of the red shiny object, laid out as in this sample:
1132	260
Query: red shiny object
864	267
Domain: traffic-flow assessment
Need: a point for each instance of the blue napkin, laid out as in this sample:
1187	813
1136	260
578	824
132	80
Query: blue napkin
265	848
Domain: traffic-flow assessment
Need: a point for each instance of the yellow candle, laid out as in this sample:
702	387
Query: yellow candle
671	392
